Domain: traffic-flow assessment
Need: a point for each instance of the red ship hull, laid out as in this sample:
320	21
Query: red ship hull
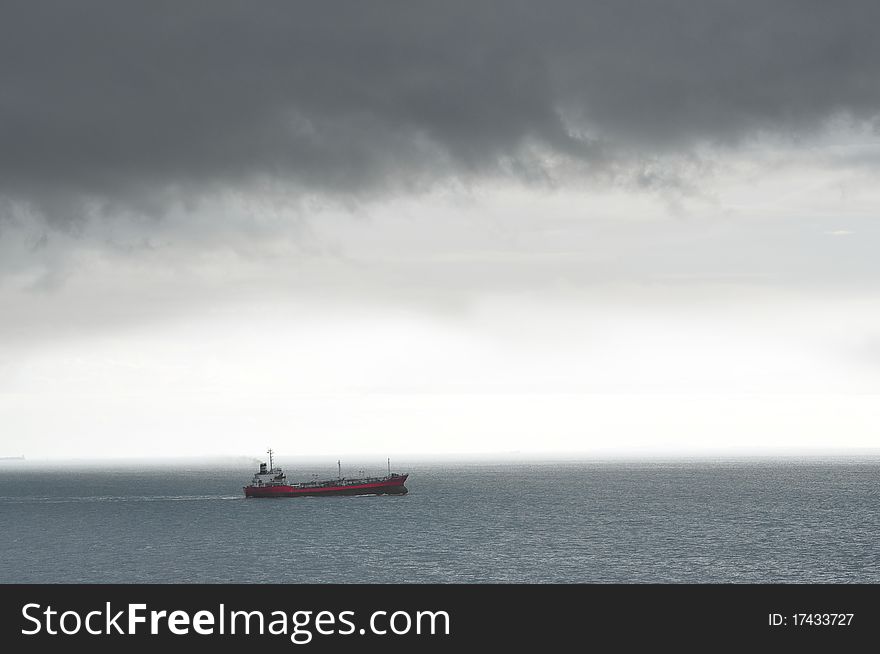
392	486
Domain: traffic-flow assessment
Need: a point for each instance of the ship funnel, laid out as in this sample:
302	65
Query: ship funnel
263	469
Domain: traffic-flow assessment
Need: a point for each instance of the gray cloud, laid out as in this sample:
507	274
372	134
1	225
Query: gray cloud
137	105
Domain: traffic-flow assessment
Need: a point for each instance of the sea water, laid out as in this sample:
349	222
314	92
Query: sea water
784	520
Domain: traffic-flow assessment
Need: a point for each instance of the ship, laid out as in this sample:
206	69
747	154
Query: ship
272	482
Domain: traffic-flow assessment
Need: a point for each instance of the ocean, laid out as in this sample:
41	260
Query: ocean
678	521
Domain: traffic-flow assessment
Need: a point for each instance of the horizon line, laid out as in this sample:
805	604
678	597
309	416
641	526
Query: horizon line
518	455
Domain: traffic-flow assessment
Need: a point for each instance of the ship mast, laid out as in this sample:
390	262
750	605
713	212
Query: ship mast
271	464
389	466
339	468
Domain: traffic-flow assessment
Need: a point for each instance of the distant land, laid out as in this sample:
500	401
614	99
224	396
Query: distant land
11	458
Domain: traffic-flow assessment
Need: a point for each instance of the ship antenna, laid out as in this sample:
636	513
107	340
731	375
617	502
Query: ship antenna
271	464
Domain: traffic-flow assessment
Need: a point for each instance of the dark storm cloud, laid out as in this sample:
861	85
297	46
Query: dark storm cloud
136	103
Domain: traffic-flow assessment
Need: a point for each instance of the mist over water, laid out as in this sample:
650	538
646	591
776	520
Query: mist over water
782	520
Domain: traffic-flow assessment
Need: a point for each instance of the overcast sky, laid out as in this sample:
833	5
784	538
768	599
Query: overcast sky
448	227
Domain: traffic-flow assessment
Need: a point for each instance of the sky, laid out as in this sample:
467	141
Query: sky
416	228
